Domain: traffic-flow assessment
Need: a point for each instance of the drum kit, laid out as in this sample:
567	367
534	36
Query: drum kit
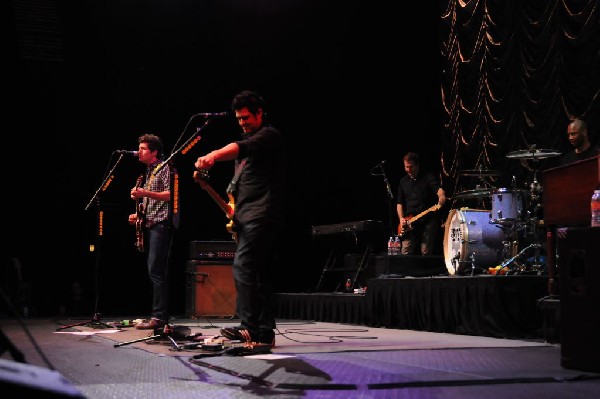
481	240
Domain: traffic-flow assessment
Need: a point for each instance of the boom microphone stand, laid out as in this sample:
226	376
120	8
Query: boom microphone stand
389	197
95	321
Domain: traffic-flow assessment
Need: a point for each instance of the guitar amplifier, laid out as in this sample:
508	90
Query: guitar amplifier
210	289
212	250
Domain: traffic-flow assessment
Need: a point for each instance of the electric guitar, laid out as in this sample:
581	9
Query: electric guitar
140	218
200	177
412	219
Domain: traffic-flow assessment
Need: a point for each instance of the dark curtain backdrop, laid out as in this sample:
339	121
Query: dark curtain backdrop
513	74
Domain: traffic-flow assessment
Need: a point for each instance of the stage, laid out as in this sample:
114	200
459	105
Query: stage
485	305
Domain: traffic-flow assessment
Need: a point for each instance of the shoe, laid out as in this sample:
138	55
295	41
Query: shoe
249	348
236	334
151	324
266	337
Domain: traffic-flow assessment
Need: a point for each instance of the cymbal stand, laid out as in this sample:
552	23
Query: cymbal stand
509	261
536	193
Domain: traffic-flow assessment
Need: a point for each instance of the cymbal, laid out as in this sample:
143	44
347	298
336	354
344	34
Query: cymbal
477	193
479	172
533	154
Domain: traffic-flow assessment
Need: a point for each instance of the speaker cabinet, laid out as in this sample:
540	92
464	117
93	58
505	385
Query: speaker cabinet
579	279
210	290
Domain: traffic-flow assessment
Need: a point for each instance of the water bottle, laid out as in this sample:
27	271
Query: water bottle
348	285
595	207
397	245
391	245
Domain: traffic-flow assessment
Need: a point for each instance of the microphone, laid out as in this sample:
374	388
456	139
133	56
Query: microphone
127	152
209	114
379	165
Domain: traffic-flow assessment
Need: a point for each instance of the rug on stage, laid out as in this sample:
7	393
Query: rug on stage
292	337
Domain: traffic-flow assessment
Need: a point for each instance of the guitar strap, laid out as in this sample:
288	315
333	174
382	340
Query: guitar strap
236	176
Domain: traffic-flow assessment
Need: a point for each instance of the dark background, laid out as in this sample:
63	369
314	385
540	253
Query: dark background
346	83
349	84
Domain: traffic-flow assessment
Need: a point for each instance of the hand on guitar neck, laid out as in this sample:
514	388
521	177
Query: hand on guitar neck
407	224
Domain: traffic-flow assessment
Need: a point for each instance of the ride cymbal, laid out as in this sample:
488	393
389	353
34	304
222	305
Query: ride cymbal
533	154
480	172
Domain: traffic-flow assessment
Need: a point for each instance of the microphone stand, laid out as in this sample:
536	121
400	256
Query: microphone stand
95	320
167	332
389	197
189	143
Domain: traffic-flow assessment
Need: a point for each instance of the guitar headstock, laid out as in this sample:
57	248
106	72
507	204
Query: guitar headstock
201	177
139	181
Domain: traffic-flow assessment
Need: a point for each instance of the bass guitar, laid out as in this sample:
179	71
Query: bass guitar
140	218
412	219
201	178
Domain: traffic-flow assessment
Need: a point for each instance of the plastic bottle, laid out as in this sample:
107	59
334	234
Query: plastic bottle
391	245
397	245
595	207
348	285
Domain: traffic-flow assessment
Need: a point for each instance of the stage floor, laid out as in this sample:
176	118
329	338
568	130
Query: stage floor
311	360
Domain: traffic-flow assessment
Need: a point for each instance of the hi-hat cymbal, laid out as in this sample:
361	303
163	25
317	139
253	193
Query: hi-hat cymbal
477	193
533	154
479	172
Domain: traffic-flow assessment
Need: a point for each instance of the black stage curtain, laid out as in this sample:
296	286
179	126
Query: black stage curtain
501	307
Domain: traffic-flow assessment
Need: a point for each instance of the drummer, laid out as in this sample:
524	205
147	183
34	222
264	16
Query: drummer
577	133
418	194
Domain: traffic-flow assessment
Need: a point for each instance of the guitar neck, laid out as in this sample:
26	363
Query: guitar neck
225	207
426	211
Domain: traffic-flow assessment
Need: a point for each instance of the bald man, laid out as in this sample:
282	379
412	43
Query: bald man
577	133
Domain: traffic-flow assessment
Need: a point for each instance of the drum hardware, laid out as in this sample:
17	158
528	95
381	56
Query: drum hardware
472	259
533	153
480	173
476	193
522	269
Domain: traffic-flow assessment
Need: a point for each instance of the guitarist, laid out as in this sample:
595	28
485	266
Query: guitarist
156	195
418	192
258	190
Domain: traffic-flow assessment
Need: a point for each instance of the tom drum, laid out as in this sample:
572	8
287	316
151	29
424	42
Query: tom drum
507	206
470	239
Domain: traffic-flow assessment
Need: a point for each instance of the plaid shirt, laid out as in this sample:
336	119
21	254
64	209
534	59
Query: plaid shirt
156	211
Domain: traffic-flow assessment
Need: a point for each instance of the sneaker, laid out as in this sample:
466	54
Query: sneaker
249	348
237	334
267	337
151	324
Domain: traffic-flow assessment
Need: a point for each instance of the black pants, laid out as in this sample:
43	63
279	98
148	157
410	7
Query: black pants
252	272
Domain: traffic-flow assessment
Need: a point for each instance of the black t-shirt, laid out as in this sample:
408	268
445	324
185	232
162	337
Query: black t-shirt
574	157
260	190
416	195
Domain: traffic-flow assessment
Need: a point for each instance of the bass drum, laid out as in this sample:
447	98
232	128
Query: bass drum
469	236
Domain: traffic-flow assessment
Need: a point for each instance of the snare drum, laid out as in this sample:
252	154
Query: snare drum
469	239
507	206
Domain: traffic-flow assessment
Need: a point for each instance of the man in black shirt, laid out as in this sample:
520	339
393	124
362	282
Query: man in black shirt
420	195
258	193
577	132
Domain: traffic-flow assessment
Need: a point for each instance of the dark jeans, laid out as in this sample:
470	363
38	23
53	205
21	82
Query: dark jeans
158	238
421	240
252	270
